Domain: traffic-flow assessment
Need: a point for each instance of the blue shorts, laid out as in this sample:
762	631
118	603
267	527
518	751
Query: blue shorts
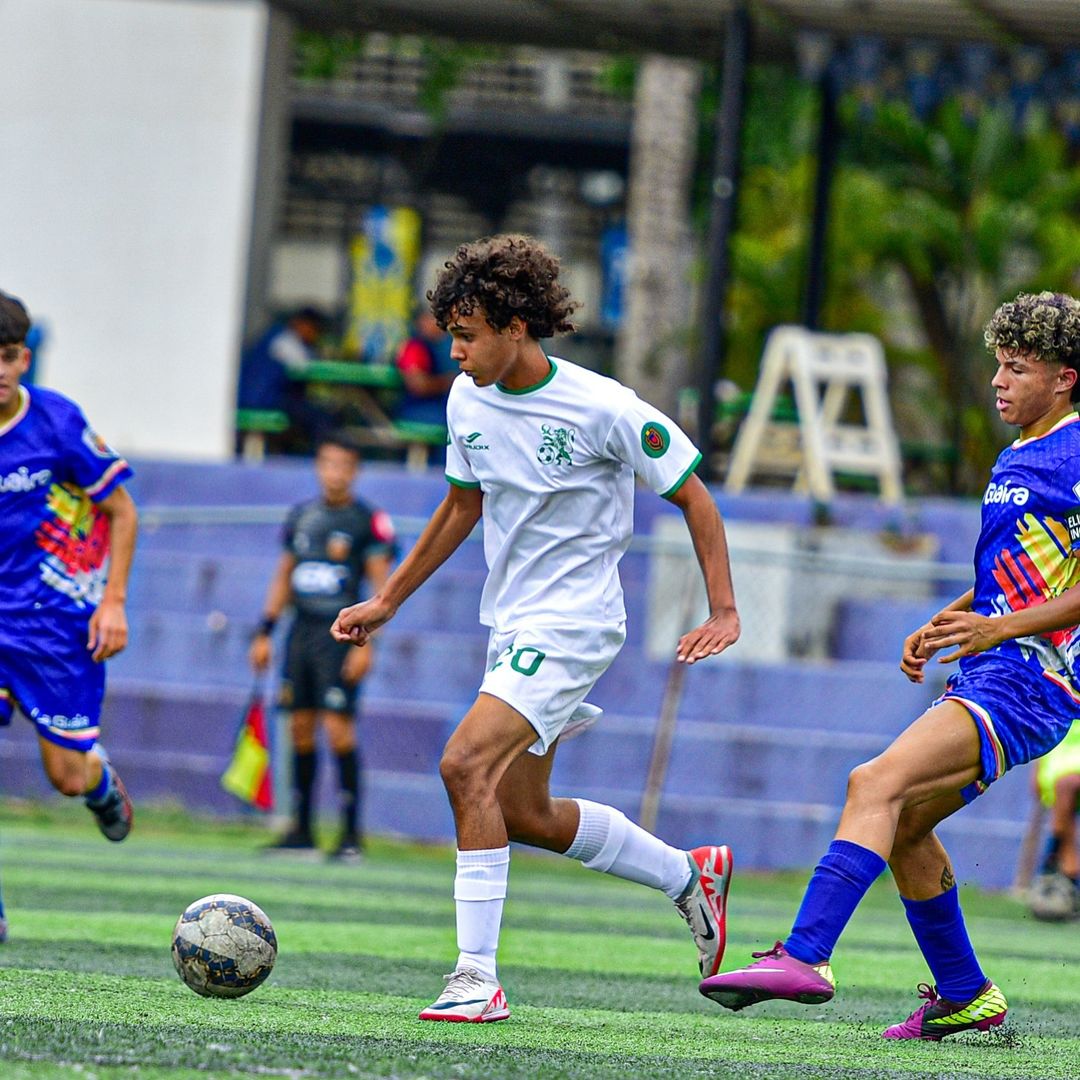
1020	715
46	670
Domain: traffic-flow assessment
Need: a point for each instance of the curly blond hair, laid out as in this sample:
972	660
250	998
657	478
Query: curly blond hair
1045	325
504	276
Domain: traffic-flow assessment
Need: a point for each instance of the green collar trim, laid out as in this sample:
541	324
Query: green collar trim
535	386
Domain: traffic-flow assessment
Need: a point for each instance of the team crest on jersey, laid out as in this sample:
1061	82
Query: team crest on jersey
338	546
96	444
556	446
655	439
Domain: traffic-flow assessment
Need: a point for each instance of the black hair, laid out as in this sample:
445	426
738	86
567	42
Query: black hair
14	320
504	276
341	439
312	315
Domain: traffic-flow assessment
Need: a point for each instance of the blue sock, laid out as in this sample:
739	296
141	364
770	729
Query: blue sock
97	795
938	926
839	882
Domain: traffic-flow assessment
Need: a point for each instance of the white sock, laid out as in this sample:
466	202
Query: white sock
607	841
479	893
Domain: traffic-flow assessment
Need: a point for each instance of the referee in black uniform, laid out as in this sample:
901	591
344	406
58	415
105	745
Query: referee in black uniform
332	544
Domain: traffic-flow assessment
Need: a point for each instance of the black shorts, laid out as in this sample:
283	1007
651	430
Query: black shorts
311	677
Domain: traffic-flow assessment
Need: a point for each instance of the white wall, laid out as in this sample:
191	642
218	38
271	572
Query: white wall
129	132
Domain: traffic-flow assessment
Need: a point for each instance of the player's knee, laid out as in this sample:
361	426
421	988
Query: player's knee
460	770
69	782
869	783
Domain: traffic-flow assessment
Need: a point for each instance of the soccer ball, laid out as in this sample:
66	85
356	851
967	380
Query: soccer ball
223	946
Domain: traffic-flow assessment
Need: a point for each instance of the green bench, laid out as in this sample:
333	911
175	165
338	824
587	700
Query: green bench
254	425
419	438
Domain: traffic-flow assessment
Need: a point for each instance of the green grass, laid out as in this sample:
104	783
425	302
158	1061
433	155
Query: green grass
600	974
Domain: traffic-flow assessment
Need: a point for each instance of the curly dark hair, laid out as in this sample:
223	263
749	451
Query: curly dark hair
1045	325
504	276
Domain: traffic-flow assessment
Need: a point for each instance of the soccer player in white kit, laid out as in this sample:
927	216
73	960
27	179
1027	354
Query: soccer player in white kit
546	452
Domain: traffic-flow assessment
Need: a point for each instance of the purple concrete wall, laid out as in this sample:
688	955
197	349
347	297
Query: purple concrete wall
761	753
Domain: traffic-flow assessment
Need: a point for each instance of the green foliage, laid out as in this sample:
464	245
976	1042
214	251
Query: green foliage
971	210
937	221
619	76
445	62
325	56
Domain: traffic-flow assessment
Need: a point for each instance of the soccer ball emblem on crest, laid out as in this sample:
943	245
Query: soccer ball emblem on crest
556	446
223	946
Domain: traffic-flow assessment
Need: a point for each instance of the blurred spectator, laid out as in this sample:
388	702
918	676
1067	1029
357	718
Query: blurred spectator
288	345
1055	893
427	372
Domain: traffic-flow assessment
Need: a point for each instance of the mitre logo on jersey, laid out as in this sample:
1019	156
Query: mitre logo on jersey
472	442
556	445
1002	493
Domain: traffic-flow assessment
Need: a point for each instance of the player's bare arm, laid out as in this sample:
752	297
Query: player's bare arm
914	654
454	519
108	630
721	628
967	633
278	595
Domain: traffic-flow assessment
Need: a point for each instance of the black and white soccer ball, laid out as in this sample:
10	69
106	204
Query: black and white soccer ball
1053	898
223	946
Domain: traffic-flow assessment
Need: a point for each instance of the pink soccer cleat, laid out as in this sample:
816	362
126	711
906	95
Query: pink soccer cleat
775	975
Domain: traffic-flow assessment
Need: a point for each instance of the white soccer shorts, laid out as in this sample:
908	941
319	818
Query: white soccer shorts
546	672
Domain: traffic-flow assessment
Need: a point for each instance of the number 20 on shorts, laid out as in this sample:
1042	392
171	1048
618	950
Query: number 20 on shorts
525	661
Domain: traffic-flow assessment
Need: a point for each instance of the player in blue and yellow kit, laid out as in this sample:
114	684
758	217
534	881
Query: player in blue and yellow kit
1013	699
66	515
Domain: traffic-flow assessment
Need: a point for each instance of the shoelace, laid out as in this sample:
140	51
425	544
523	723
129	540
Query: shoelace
462	981
929	993
776	951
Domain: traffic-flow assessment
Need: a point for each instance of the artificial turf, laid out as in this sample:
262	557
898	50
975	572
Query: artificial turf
600	974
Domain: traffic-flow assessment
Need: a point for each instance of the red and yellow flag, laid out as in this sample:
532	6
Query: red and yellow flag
248	776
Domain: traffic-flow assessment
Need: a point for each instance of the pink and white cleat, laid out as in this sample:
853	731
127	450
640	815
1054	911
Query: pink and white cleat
469	998
704	904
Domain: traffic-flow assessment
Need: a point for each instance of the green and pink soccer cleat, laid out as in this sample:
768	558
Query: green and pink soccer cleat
939	1017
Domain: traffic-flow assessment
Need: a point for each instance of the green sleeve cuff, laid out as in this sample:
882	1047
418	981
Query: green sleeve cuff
470	483
682	479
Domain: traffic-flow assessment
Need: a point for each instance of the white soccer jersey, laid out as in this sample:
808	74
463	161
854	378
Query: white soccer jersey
556	464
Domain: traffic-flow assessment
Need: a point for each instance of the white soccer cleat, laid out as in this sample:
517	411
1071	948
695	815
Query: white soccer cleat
704	904
469	998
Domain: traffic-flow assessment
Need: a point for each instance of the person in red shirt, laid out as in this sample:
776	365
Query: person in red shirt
427	372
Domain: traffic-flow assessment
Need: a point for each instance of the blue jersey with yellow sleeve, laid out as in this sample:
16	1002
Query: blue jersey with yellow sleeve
54	546
1029	547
